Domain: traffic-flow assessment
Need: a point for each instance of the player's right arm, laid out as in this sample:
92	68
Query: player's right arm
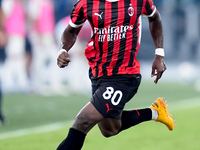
68	39
70	34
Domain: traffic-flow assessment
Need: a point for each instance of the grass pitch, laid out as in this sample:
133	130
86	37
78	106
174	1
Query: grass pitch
31	116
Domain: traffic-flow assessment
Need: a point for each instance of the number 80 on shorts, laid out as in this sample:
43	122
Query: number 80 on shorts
114	96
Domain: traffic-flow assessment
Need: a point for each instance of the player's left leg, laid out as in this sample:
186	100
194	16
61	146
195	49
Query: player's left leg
157	111
164	116
109	126
110	98
134	117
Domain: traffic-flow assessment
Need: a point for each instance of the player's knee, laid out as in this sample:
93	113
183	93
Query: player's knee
109	133
84	123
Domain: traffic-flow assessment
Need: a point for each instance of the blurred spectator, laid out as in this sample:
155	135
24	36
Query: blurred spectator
2	28
186	30
14	77
2	45
192	31
179	28
28	59
63	8
44	69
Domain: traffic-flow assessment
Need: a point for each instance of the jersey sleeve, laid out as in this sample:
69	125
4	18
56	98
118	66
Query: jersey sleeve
149	8
77	15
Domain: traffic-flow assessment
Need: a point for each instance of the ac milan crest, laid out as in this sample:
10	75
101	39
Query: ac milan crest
130	10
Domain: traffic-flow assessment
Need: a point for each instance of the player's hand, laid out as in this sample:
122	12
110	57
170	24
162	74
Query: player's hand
63	58
158	67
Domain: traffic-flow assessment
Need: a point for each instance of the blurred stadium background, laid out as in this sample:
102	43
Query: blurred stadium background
37	93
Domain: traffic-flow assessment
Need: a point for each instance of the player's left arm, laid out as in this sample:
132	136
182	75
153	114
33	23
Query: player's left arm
155	26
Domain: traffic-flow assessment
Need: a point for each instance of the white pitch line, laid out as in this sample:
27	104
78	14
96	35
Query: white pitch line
28	131
178	105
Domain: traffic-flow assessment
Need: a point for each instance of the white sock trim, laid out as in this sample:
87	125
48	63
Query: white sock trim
154	114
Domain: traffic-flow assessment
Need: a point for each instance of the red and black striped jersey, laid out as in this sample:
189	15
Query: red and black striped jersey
116	26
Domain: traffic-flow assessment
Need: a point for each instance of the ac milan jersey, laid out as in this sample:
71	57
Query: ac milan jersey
116	26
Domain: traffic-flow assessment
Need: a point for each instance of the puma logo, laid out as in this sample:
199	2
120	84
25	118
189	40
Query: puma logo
108	108
100	15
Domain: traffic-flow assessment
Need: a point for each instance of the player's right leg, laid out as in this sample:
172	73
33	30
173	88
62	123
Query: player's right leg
85	120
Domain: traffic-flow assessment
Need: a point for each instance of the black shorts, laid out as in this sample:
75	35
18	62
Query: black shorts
110	94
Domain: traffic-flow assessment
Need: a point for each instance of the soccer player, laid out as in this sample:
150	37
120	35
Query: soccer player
114	69
2	45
